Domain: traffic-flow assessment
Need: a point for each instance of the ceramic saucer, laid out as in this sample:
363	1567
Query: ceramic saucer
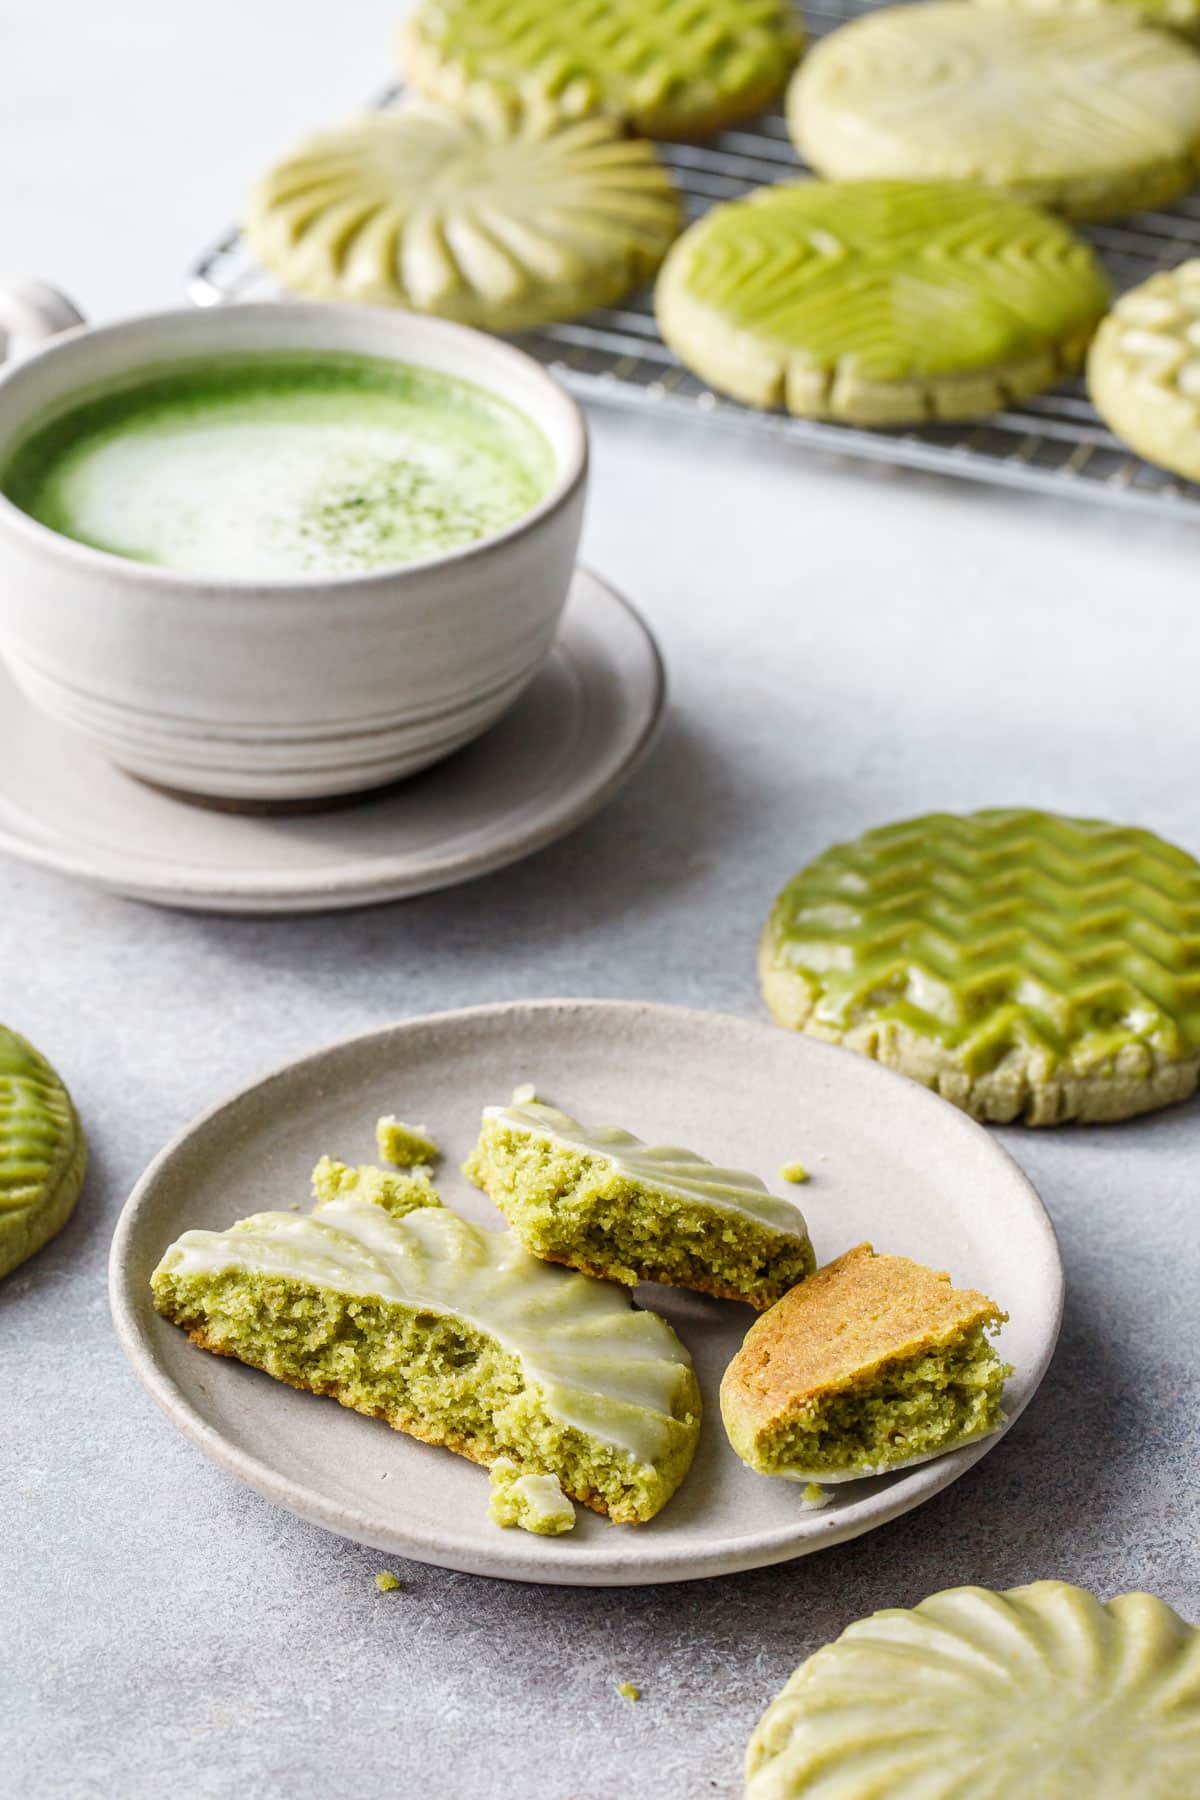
573	738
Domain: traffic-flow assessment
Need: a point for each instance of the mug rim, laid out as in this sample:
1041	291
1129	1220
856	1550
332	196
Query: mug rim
569	479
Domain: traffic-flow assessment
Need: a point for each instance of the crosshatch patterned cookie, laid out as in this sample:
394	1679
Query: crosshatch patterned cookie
42	1151
1042	1692
497	218
1026	966
1182	16
879	302
667	68
1088	114
1144	369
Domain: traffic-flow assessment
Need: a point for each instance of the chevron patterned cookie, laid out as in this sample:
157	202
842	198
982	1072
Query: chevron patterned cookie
666	68
1041	1691
1144	369
497	219
879	302
1182	16
42	1151
1088	114
1024	965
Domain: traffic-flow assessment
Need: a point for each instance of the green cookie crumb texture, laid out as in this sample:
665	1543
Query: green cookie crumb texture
879	302
665	68
1023	964
452	1334
600	1200
872	1364
815	1496
794	1172
1041	1691
43	1153
386	1582
529	1500
627	1690
406	1145
396	1194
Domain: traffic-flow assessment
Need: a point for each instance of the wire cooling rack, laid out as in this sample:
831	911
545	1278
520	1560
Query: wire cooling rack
1054	443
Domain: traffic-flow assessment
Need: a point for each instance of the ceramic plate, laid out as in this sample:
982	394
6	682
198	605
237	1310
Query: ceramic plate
891	1163
573	738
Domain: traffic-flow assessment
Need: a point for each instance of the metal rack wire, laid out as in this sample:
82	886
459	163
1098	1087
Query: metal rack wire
1054	443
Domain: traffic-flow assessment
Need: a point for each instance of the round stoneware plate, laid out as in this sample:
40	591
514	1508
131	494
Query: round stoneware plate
575	735
890	1163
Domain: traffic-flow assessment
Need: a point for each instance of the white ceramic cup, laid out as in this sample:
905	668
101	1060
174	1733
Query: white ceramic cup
278	691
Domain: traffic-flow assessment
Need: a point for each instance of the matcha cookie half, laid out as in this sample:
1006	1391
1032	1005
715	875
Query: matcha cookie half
455	1335
1026	966
599	1199
493	218
873	1364
1041	1692
879	302
43	1153
1089	114
665	68
1182	16
1144	369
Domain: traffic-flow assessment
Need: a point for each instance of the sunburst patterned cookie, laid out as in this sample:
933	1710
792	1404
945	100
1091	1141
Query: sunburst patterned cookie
667	68
1182	16
496	218
1144	369
43	1153
1089	114
879	302
1026	966
1041	1692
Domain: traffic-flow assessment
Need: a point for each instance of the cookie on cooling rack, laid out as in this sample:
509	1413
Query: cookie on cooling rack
496	218
1144	369
1026	966
879	302
1182	16
1089	114
667	68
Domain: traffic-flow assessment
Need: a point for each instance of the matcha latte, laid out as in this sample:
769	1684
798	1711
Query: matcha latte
274	467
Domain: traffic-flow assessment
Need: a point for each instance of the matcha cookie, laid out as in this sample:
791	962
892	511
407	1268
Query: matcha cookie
873	1364
879	302
43	1153
665	68
599	1199
1144	369
1182	16
452	1334
1089	114
1041	1692
493	218
1024	965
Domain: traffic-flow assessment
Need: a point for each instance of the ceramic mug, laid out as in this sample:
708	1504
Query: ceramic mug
278	691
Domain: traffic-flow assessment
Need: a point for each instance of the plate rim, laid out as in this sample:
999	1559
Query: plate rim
267	895
519	1561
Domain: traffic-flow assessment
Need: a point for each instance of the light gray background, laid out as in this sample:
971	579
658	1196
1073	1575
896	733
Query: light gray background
845	647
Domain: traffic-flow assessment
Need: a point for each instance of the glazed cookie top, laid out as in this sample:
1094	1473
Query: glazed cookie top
995	930
887	279
493	216
964	1692
610	1371
666	67
1149	345
41	1149
1005	98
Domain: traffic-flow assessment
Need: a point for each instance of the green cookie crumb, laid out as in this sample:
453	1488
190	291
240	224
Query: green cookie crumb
396	1194
530	1501
386	1582
793	1171
404	1144
627	1691
525	1095
815	1495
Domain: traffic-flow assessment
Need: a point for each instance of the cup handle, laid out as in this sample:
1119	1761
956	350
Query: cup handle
31	311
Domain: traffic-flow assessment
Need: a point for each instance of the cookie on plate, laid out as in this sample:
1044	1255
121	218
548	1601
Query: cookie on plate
872	1364
492	217
665	68
599	1199
1182	16
1025	965
879	302
455	1335
1090	114
43	1153
964	1693
1144	369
